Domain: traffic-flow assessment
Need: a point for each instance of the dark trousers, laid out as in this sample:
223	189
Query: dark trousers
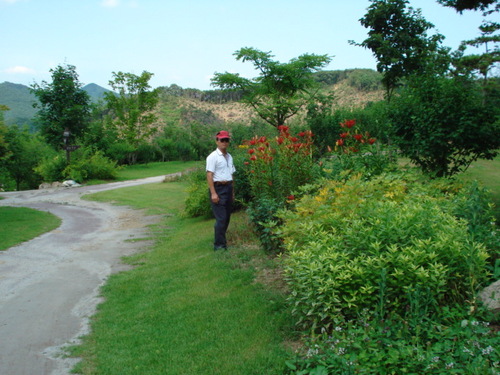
222	212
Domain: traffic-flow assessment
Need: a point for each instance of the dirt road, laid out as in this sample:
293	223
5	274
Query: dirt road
49	286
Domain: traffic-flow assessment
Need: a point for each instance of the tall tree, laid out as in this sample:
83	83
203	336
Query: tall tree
132	109
398	39
281	89
63	105
483	62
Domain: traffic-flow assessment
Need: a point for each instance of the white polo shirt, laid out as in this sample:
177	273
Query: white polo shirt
221	165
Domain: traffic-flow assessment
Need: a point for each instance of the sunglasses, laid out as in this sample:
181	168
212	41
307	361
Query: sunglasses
224	140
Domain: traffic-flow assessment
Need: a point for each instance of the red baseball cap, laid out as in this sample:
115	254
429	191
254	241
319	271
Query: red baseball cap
223	134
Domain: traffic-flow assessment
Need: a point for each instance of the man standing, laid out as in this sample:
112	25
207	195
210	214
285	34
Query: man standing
220	169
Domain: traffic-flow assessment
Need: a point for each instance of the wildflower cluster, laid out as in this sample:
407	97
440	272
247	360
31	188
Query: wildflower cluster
352	141
277	166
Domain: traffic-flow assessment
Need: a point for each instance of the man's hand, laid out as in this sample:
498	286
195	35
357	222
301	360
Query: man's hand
215	198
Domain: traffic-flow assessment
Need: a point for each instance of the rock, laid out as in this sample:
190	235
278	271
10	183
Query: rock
491	296
70	183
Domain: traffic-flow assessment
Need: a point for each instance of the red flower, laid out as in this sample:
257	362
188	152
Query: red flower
253	142
246	163
371	141
294	139
262	139
340	142
358	137
280	140
251	151
344	135
262	148
348	124
302	134
253	157
291	197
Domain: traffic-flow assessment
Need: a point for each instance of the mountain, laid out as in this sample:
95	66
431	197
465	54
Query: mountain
352	88
95	92
20	101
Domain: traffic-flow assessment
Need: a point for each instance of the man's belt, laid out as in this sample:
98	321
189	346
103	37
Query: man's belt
223	183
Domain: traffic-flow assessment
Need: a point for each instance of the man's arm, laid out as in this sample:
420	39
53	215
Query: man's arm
213	194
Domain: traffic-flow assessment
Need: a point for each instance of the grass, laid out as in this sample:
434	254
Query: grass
20	224
186	309
488	173
133	172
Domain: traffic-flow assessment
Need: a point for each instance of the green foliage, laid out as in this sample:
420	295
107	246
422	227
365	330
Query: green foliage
442	124
356	242
461	5
51	167
360	79
262	212
401	346
281	90
277	166
63	105
91	165
132	109
198	201
398	39
356	152
325	124
87	164
364	79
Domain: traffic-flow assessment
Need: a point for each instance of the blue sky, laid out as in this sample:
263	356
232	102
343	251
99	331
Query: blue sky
186	41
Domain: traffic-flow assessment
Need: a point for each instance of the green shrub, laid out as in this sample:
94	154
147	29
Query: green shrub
51	169
359	244
262	212
91	166
198	199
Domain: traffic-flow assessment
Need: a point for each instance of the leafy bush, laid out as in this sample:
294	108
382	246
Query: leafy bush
262	212
326	125
51	169
275	170
442	124
278	166
357	152
91	165
198	199
356	242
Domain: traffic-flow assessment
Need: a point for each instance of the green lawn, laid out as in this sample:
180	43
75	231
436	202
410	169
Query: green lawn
487	172
19	224
186	309
133	172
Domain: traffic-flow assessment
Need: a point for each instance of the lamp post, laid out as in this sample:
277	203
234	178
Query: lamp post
66	135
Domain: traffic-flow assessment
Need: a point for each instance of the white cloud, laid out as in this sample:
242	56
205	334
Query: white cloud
110	3
19	70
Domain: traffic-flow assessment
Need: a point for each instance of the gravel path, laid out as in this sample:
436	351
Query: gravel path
49	286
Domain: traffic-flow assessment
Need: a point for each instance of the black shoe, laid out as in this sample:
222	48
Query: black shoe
216	248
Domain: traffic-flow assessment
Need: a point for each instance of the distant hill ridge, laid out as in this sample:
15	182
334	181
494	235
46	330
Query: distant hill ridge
20	101
352	87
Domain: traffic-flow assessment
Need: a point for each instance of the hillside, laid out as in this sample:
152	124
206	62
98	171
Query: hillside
20	101
351	88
